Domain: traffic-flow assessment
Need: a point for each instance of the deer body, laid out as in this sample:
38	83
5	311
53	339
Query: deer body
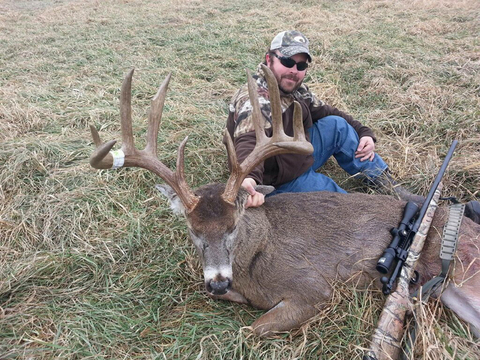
284	256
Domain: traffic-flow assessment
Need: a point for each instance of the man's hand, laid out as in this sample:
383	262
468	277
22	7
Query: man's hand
366	148
255	199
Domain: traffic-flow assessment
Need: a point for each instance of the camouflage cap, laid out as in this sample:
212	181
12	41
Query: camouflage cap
290	43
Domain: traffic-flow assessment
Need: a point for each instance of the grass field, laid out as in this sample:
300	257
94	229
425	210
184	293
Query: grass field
93	265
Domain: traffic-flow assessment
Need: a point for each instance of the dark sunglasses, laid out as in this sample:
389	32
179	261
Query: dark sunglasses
289	62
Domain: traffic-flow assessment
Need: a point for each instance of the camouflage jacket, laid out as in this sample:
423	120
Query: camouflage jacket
279	169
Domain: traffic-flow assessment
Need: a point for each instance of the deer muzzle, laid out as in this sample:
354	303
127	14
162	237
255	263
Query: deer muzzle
218	287
218	281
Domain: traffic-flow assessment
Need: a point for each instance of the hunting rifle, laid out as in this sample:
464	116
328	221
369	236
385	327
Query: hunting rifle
405	249
404	234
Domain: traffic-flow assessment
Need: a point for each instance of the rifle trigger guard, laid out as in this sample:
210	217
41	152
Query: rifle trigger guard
415	277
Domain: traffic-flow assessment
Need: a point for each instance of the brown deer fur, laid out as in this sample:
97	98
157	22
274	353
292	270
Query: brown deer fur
286	254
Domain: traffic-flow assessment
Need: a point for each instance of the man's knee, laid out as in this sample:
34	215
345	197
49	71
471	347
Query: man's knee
332	121
335	128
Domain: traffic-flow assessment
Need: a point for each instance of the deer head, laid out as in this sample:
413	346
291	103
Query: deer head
213	211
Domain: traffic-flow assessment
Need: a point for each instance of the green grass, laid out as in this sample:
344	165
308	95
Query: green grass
94	265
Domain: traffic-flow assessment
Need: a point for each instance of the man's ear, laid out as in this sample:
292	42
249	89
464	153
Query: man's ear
264	189
175	203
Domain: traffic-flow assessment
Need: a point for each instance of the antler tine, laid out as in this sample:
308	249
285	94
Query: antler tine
256	112
279	143
129	156
232	156
187	196
298	130
275	105
128	145
101	157
155	116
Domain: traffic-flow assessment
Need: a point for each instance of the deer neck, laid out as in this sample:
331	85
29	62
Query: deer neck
253	230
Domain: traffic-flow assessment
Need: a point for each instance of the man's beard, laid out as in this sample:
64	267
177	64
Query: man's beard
298	82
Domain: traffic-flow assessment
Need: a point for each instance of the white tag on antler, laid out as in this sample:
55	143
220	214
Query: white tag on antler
118	158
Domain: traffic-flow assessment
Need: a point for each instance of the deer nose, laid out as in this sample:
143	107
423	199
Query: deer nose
218	287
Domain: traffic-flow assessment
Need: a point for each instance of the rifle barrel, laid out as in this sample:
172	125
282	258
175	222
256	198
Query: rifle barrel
438	178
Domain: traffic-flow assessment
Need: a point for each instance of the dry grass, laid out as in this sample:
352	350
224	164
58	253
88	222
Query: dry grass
94	265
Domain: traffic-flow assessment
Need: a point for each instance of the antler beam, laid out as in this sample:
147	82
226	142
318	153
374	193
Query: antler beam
279	143
129	156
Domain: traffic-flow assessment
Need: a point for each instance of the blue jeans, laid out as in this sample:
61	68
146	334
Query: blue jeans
332	135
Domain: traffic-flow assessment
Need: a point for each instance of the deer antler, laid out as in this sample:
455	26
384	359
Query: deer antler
129	156
279	143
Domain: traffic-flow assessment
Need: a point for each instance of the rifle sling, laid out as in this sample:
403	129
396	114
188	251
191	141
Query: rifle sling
447	252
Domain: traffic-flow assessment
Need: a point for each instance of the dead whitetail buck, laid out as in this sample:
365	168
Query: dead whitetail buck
284	256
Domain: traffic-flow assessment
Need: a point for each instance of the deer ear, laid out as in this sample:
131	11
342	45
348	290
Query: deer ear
264	189
175	203
243	194
241	197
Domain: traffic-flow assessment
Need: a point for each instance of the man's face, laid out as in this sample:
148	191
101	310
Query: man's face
289	79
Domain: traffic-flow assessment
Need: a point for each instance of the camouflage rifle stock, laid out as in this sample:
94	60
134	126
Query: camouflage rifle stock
387	337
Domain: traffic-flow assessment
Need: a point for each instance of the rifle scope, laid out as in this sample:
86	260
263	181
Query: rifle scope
400	235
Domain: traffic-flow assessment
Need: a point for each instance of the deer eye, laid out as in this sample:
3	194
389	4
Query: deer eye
229	239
